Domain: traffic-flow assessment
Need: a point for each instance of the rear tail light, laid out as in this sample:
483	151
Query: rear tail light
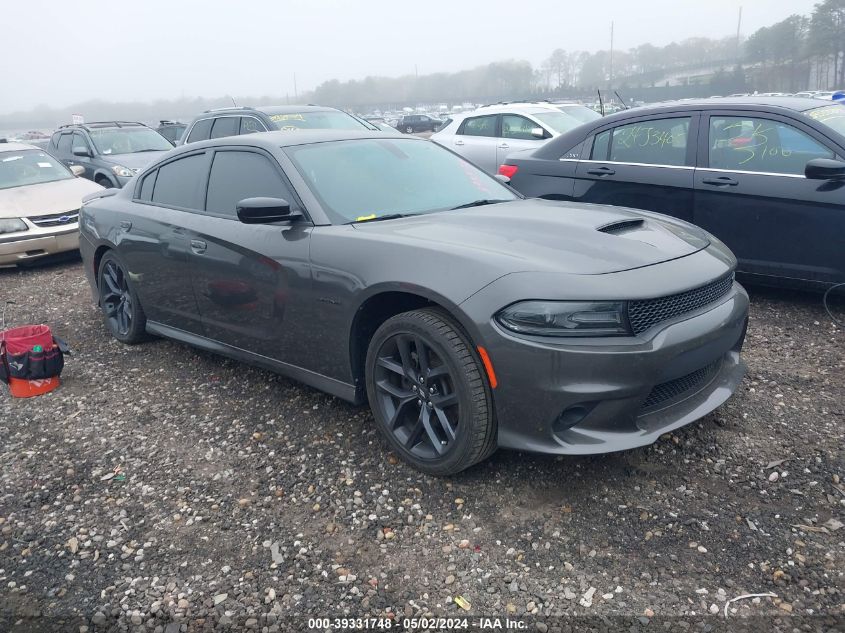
508	170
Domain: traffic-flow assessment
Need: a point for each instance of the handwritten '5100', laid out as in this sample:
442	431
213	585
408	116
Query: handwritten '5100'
755	145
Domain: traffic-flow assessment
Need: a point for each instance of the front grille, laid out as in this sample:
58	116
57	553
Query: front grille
647	313
56	219
673	388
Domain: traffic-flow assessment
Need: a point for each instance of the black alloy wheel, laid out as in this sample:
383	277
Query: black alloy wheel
428	393
123	314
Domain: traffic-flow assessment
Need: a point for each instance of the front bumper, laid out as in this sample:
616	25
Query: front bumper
603	395
33	245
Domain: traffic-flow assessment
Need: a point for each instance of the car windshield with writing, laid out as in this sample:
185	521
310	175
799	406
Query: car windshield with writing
30	167
833	116
113	141
366	179
317	120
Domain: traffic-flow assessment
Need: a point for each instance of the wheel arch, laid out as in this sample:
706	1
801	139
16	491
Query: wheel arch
384	303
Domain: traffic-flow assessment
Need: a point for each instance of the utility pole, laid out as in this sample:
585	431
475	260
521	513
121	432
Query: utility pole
610	81
416	72
295	91
738	26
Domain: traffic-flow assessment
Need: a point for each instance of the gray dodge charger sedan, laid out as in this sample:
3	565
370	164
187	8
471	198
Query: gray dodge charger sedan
387	269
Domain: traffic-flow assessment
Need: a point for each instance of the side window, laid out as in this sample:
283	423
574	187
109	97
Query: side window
752	144
147	185
514	126
658	142
178	182
64	146
79	141
54	140
236	175
225	126
200	131
479	126
251	125
601	146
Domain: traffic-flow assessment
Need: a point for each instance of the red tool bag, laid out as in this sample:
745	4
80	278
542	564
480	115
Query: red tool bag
31	360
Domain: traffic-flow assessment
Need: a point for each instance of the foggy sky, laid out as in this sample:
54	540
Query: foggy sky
57	53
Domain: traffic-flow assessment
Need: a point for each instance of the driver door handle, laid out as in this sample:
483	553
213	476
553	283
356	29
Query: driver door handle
198	246
601	171
504	146
459	142
721	181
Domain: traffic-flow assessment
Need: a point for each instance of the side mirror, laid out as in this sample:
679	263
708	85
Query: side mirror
502	178
265	211
81	151
825	169
538	132
78	170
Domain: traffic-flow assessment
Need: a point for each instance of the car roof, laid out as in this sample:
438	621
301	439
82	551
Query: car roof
271	109
277	138
13	146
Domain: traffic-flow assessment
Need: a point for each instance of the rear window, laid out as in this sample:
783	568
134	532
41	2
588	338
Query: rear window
832	116
316	120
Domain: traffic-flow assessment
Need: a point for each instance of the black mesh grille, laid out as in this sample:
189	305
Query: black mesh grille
673	388
646	313
56	219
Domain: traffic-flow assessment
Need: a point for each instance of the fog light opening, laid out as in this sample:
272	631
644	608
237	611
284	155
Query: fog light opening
571	416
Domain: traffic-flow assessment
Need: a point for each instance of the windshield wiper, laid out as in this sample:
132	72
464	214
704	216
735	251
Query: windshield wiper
389	216
478	203
138	151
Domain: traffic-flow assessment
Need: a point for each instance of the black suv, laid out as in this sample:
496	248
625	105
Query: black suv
171	130
247	120
111	152
411	123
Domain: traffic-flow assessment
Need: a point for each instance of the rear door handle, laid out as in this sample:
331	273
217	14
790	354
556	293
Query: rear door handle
198	246
721	181
504	146
459	142
601	171
125	225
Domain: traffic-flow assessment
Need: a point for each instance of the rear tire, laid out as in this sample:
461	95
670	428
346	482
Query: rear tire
429	394
409	130
122	311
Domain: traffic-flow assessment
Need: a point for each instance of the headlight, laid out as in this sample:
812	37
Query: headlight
123	172
12	225
566	318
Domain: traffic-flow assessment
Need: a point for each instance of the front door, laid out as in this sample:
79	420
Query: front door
648	164
250	280
752	194
516	135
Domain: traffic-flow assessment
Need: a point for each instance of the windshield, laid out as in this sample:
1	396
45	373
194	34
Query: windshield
113	141
30	167
560	122
582	113
317	120
833	116
365	179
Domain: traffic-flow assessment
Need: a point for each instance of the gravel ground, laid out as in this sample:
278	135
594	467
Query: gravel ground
162	488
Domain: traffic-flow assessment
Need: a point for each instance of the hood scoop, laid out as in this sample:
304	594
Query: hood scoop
622	226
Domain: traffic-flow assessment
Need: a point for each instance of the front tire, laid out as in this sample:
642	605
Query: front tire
409	130
428	393
122	311
105	182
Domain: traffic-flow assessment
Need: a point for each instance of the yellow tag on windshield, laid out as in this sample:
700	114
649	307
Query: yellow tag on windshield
361	218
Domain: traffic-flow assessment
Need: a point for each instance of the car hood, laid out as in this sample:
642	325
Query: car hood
549	236
45	198
138	160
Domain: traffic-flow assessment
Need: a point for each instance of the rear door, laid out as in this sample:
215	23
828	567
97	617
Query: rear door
645	164
153	243
476	140
516	135
250	280
750	192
